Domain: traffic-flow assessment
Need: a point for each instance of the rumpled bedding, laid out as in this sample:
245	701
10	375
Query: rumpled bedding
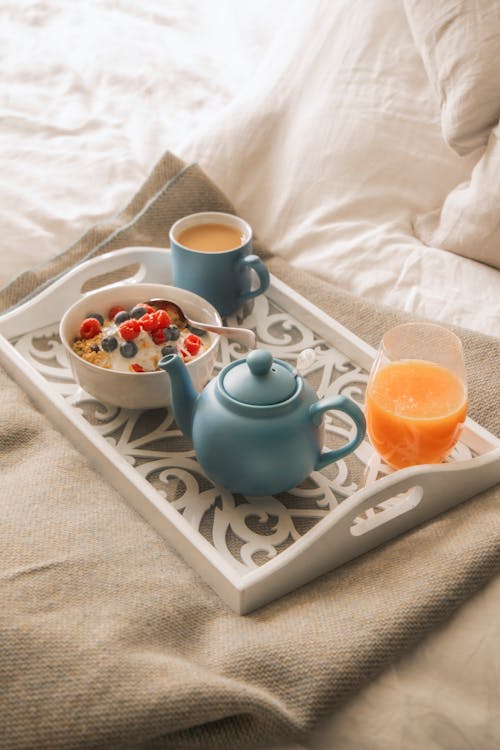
319	122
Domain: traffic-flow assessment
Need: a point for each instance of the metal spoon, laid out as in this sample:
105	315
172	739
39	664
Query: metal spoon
244	335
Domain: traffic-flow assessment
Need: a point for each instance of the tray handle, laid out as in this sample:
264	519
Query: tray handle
50	304
420	493
424	493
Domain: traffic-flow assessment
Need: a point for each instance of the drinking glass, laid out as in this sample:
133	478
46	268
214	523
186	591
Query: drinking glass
416	398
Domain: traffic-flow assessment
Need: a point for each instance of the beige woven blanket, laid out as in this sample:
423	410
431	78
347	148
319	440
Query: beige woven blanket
109	640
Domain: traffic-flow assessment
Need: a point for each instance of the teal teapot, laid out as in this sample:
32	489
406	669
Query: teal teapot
257	428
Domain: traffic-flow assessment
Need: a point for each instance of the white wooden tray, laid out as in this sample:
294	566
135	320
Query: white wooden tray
250	550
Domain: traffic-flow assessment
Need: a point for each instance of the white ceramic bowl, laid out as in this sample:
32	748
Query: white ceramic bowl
130	390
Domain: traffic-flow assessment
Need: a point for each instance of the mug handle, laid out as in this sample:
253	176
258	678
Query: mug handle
253	261
340	403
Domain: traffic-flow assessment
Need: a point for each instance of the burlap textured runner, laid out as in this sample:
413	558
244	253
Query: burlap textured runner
109	640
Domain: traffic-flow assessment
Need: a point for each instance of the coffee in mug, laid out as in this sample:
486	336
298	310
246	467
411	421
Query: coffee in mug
211	238
212	256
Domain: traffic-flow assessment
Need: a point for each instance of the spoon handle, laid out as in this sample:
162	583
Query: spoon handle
244	335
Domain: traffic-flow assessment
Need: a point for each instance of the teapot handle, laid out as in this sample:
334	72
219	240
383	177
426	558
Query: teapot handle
338	403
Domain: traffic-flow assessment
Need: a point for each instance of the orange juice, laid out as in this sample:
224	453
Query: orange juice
414	412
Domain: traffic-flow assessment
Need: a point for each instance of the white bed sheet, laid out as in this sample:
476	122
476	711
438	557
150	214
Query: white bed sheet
335	148
94	92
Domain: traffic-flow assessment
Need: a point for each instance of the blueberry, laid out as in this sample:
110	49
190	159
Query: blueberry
172	333
109	343
168	350
97	316
128	349
138	311
121	317
95	348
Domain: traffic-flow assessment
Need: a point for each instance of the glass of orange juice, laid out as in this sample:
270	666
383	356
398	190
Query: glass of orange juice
416	398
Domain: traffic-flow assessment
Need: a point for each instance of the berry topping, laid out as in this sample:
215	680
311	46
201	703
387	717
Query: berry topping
192	343
114	311
128	349
162	319
109	343
138	311
172	333
89	328
97	316
121	317
158	336
130	329
169	349
147	321
165	331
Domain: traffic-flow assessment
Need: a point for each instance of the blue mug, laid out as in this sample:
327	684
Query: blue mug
212	256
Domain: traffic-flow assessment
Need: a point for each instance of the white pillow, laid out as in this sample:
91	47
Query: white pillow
459	41
469	221
334	148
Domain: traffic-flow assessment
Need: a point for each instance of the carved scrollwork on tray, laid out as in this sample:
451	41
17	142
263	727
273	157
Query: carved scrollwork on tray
246	531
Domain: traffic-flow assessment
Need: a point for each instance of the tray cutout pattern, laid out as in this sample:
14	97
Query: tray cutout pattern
247	532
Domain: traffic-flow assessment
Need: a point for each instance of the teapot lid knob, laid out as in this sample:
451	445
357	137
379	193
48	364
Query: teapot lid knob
259	380
260	361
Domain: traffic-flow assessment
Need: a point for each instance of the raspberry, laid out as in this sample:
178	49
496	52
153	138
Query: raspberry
136	368
114	311
89	328
162	319
147	321
158	336
130	329
192	343
97	316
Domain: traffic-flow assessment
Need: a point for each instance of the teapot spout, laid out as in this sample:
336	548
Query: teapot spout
184	394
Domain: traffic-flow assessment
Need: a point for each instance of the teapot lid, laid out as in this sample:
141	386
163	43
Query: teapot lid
260	380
